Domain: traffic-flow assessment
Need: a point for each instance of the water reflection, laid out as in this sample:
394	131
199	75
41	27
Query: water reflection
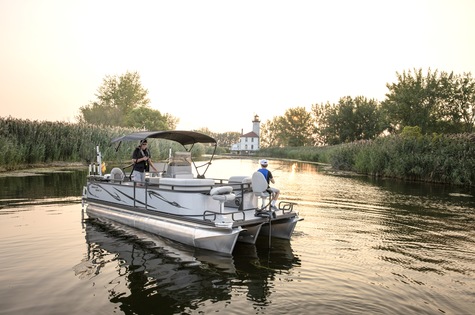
19	189
146	271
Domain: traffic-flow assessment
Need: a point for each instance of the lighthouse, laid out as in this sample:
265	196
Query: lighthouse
249	142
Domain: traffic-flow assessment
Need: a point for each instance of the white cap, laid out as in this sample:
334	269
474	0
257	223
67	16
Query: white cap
264	162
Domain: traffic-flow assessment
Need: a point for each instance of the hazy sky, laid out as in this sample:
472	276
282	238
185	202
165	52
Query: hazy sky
217	63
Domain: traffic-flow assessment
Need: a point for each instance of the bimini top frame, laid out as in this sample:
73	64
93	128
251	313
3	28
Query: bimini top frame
181	136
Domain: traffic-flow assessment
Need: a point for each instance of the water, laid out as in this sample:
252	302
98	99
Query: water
364	247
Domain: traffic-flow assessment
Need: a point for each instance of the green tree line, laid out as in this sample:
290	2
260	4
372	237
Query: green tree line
436	102
423	131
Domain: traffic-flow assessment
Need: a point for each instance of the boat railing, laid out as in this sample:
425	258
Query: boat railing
215	214
240	188
286	206
235	186
185	184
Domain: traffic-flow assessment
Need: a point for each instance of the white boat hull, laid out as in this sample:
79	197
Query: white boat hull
184	211
280	229
210	237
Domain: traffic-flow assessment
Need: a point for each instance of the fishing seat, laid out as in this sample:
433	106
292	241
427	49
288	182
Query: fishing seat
259	187
117	175
222	194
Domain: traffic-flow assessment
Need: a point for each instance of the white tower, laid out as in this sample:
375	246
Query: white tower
256	125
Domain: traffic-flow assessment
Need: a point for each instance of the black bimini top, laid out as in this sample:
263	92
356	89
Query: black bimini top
181	136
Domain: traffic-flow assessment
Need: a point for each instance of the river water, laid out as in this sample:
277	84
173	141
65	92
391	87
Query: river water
364	247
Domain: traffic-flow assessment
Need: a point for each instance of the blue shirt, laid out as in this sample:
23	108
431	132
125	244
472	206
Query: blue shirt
267	174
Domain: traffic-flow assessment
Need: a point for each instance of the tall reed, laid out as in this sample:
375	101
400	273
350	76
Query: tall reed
434	158
26	142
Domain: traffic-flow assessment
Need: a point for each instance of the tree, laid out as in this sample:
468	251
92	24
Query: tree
269	133
369	121
320	112
437	102
224	140
145	118
295	128
227	139
122	101
172	121
456	111
349	120
411	101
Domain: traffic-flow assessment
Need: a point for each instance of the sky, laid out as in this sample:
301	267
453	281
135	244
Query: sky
215	64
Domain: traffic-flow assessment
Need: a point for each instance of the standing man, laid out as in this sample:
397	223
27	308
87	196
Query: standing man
270	179
142	162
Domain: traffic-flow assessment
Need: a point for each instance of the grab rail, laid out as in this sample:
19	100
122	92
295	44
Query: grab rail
286	206
214	214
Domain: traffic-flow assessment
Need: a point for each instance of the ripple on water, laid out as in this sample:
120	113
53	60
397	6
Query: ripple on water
364	246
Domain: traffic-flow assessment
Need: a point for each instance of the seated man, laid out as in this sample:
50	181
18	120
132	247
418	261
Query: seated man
270	179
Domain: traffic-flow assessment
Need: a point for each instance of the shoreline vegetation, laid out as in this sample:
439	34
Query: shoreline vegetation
410	156
436	158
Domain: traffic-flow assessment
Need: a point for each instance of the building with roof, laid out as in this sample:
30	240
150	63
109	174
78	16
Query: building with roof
248	142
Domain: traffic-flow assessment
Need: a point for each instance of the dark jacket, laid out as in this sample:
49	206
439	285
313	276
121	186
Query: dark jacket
142	165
